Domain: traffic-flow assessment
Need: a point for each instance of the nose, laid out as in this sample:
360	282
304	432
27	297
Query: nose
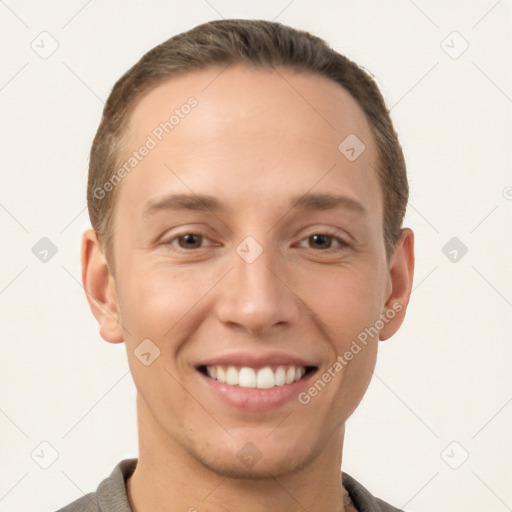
256	297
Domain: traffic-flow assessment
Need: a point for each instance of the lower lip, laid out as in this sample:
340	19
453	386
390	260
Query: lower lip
253	399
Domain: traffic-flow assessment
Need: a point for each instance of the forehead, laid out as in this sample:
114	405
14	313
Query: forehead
249	128
236	95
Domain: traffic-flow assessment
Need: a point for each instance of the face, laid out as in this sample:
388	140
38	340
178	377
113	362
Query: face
250	257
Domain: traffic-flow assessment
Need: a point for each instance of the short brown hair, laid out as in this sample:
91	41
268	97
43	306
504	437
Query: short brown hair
259	43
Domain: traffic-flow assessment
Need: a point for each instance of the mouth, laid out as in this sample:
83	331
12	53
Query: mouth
266	377
255	382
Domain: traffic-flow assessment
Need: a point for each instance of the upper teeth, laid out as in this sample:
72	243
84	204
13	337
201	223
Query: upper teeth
264	378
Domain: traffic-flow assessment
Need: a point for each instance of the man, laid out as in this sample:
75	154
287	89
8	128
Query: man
246	192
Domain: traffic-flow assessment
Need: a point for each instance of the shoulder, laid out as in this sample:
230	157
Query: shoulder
363	500
87	503
110	494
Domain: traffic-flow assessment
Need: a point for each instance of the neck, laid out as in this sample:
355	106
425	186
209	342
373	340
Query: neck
169	479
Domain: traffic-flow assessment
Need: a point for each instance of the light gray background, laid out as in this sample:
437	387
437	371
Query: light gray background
444	378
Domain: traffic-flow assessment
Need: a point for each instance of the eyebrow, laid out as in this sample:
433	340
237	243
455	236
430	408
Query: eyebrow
196	202
327	202
204	202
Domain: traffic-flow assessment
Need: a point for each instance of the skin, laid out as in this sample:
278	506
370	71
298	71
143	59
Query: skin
254	142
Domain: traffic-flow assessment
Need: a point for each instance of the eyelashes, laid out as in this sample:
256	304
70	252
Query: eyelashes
191	242
342	244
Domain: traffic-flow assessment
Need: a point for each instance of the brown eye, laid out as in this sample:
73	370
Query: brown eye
325	242
190	241
321	241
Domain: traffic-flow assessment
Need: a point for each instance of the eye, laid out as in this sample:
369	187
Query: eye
188	241
324	241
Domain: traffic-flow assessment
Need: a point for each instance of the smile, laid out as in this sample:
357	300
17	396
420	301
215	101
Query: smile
262	378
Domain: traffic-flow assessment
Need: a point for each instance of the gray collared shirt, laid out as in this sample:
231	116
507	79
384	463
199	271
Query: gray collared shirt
110	496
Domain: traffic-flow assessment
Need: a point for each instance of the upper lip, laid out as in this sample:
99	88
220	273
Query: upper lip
252	360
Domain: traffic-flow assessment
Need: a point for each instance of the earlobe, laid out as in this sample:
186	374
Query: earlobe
401	271
99	287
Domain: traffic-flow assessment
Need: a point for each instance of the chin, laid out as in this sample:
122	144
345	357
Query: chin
248	463
260	471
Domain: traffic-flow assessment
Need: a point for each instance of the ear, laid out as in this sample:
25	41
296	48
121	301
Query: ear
401	270
99	288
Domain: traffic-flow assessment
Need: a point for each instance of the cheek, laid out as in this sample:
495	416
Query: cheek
348	303
155	302
154	305
346	299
